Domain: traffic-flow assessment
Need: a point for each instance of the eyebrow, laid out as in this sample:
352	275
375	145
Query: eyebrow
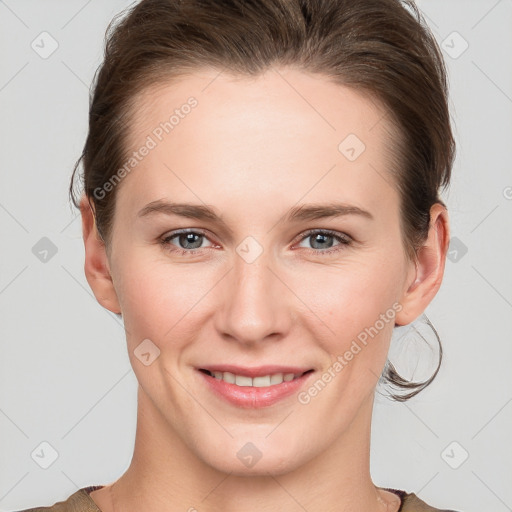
297	213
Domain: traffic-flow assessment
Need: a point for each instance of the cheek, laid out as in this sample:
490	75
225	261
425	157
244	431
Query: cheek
354	308
350	296
140	300
360	317
158	299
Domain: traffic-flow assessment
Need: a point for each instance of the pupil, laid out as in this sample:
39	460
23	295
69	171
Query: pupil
189	238
319	237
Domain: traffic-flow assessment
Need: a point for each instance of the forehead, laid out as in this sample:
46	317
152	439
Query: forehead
280	132
265	102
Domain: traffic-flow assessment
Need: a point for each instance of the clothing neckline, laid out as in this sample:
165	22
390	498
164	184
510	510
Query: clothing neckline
87	490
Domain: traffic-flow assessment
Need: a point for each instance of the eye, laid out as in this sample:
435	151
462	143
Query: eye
188	241
322	239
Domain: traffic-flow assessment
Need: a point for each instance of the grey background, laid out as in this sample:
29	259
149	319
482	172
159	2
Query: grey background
65	377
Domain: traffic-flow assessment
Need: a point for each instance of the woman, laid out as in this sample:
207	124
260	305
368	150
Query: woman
257	132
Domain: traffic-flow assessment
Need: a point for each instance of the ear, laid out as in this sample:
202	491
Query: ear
97	270
426	278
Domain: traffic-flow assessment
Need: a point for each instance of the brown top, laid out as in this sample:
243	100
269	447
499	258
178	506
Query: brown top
80	501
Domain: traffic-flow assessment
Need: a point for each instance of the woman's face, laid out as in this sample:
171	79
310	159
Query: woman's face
258	162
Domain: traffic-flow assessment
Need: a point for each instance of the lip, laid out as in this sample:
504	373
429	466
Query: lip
248	397
255	371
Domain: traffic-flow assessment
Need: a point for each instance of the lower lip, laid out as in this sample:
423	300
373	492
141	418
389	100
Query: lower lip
250	397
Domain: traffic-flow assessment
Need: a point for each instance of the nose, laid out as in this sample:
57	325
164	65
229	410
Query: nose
255	303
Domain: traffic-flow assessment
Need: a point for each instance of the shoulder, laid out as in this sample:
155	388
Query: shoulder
80	501
411	503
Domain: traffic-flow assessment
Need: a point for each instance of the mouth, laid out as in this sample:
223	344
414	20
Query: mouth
260	381
254	388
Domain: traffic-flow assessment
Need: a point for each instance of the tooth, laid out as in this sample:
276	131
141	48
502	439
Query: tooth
260	382
241	380
229	377
276	379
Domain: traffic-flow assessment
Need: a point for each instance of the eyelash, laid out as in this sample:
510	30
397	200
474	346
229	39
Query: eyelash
344	241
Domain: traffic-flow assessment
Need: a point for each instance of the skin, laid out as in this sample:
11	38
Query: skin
253	149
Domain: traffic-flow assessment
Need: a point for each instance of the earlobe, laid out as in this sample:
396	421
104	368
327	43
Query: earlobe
96	265
429	271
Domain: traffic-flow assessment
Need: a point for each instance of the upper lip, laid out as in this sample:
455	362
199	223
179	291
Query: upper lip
255	371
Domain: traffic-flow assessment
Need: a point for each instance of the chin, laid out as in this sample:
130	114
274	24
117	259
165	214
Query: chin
254	458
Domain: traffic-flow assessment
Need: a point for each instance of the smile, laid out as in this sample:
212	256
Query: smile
257	382
256	392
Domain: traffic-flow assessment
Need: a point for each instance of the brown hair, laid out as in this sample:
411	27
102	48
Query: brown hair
382	48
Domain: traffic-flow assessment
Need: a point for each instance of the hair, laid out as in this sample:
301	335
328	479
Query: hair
380	48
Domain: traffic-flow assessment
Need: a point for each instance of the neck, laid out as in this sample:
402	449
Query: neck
165	475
